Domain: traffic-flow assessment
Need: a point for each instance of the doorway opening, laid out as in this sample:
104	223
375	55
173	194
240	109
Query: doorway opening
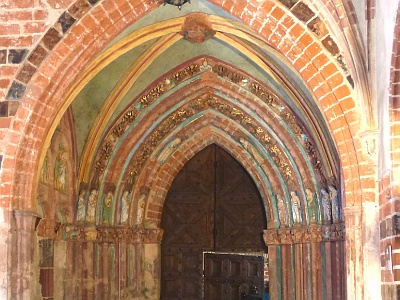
212	207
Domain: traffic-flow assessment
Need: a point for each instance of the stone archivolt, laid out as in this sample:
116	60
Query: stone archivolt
202	65
305	234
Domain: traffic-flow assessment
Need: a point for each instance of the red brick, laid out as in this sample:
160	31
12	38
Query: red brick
10	16
277	13
9	29
5	122
5	83
342	92
313	50
40	15
335	80
8	71
347	104
36	27
19	41
17	4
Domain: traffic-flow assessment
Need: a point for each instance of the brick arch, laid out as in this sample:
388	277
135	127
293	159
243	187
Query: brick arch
44	94
322	76
394	103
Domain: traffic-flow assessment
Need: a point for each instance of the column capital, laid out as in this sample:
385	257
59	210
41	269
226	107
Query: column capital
314	233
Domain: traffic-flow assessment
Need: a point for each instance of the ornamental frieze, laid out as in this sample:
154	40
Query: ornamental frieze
251	125
305	234
155	138
128	235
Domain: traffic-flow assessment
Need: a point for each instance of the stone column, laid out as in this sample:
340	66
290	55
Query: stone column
152	263
22	254
370	251
354	259
274	272
308	262
4	251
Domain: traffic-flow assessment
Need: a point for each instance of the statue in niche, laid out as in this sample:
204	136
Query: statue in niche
107	208
252	150
44	172
168	149
295	207
92	203
124	206
312	205
334	199
283	216
326	203
140	211
81	207
60	171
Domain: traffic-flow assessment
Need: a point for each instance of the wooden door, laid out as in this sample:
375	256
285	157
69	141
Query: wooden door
212	205
233	277
239	208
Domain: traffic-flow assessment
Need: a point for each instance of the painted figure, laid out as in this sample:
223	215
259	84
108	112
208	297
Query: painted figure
124	207
283	217
312	205
107	208
334	198
91	210
81	207
295	207
326	202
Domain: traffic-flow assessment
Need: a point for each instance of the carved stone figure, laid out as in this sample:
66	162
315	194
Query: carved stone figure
91	210
298	235
334	198
271	237
286	236
252	150
283	216
60	172
124	207
326	202
44	172
81	207
140	211
295	207
312	205
107	208
168	150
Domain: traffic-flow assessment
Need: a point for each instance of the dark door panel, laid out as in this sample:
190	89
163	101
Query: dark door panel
212	205
233	276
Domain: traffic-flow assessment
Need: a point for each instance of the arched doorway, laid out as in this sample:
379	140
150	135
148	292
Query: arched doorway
213	205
